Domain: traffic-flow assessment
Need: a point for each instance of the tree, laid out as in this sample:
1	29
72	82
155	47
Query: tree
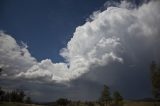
28	100
21	96
0	71
105	96
117	99
155	77
62	102
2	93
13	97
7	97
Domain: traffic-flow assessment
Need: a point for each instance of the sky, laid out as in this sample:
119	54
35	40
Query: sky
52	22
72	48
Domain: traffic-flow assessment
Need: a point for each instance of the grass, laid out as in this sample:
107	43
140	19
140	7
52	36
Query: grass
141	104
129	103
16	104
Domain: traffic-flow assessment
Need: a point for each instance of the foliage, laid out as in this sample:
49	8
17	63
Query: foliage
105	96
63	102
28	100
117	99
155	77
13	96
1	70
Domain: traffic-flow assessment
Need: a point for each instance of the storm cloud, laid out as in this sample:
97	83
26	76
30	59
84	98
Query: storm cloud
114	45
111	36
14	57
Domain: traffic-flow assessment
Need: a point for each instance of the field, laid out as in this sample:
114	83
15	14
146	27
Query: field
125	104
16	104
141	104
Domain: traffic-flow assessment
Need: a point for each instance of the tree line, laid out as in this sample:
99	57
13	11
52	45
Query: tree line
14	96
106	99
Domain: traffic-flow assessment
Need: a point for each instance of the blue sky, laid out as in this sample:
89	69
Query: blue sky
45	25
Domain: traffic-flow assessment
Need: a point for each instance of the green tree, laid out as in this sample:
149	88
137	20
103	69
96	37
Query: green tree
7	97
155	77
28	100
117	99
2	94
21	96
62	102
13	97
0	71
105	98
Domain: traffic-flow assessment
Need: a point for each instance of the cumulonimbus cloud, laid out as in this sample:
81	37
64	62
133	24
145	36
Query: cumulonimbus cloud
14	57
111	34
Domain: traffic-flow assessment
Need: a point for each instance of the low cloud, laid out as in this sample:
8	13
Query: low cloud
120	35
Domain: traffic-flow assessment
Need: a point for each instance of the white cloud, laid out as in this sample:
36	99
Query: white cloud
111	34
14	58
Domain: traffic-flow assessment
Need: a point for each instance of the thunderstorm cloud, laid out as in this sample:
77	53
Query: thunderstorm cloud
120	36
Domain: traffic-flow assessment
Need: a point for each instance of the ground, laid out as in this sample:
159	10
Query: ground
16	104
141	104
125	104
